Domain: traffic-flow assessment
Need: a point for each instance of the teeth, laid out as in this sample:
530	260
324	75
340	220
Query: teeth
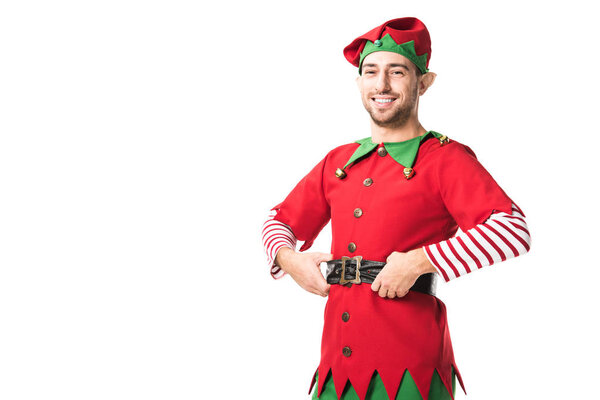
384	100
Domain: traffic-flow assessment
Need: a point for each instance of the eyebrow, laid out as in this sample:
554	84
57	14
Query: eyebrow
390	65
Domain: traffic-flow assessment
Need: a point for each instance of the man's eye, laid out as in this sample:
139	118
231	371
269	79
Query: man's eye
398	72
369	72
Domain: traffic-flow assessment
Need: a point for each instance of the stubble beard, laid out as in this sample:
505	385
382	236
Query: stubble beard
398	118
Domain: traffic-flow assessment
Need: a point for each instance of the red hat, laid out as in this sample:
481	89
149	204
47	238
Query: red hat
409	37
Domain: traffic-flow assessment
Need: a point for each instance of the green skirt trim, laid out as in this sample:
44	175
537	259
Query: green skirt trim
376	391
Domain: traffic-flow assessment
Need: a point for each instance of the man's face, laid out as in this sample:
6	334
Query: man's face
389	88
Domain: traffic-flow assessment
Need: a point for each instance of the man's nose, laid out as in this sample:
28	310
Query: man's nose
382	83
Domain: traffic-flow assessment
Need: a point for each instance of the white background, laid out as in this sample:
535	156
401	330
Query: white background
143	142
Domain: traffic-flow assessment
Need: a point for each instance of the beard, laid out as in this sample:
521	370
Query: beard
394	118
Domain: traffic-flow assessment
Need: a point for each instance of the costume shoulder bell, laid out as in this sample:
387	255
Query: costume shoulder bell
402	152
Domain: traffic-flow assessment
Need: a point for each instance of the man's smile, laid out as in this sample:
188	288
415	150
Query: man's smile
383	101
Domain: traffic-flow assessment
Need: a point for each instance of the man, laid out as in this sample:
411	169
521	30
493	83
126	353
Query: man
396	200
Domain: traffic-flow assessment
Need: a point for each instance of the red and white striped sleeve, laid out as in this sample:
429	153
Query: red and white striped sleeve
500	237
275	235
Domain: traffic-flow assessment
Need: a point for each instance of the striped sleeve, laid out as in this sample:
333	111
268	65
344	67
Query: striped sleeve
275	235
500	237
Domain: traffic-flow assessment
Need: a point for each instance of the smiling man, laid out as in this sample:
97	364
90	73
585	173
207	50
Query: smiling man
396	201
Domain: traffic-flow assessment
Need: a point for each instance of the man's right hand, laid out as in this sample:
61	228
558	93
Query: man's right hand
305	269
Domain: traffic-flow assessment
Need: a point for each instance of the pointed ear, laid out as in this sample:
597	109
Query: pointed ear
426	81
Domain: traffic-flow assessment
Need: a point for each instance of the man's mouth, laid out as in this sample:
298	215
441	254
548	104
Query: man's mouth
383	101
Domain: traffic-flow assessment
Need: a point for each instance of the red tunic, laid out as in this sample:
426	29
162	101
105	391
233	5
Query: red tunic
450	188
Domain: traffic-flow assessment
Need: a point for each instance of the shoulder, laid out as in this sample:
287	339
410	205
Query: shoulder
451	152
342	152
457	162
344	148
334	158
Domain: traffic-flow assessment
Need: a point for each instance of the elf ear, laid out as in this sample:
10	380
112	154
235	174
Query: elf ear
426	81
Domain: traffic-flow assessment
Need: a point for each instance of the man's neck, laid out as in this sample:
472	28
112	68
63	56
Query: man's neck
410	130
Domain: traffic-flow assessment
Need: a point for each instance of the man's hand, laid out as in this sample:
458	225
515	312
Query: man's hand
305	269
400	273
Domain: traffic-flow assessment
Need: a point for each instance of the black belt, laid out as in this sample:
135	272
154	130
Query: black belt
343	272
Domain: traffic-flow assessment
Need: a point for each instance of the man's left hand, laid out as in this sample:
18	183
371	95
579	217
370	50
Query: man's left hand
400	273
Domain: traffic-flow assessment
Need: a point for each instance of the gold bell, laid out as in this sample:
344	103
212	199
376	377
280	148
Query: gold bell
443	140
408	172
340	173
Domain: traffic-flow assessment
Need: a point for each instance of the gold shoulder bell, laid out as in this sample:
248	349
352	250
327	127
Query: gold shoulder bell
340	173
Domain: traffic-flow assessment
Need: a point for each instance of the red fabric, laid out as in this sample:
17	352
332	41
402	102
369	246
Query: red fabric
469	200
402	30
306	210
389	335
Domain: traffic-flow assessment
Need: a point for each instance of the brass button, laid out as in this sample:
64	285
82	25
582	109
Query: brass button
352	247
368	182
358	213
345	317
346	351
340	173
382	151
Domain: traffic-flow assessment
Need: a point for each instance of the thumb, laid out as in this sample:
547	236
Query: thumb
321	257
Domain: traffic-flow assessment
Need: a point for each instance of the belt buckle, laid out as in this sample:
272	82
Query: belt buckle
356	279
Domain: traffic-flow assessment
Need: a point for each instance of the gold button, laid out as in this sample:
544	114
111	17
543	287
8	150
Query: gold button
352	247
382	151
340	173
358	212
346	351
345	317
368	182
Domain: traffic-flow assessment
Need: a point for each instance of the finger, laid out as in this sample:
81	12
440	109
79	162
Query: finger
383	292
391	294
324	290
318	291
376	284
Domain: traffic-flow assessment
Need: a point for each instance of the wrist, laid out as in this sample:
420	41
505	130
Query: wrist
282	259
424	266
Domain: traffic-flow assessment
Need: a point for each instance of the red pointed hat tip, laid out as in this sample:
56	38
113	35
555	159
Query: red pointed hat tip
402	30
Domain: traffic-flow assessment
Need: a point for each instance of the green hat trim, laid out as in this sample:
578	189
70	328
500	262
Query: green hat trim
386	43
404	153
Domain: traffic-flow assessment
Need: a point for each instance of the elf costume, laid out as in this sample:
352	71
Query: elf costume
381	198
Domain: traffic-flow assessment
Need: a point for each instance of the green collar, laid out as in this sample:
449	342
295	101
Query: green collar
403	152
